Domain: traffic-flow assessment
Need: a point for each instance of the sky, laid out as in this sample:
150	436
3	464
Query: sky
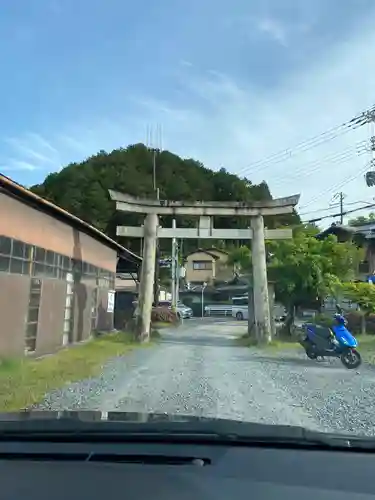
236	84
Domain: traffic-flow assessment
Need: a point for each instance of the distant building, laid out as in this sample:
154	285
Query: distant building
364	237
57	274
207	266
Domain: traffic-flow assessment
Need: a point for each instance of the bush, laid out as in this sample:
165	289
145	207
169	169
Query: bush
323	320
354	319
163	315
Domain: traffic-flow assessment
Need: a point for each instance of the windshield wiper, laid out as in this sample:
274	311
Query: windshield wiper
211	432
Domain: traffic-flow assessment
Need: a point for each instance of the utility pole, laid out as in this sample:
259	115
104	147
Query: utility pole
174	268
340	197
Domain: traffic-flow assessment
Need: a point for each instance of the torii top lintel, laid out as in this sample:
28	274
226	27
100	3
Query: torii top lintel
127	203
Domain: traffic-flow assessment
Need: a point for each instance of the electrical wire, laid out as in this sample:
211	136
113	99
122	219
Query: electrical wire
325	209
317	165
337	186
284	155
346	212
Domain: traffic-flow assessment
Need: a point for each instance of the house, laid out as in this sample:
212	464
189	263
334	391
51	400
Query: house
57	274
207	266
364	237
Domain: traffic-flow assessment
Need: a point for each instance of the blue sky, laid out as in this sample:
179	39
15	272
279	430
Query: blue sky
228	82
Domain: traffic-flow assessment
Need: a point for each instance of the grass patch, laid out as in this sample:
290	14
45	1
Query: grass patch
24	382
161	324
155	334
366	347
276	344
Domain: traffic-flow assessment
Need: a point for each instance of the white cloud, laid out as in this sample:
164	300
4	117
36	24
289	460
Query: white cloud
14	165
238	125
24	150
275	29
224	122
41	142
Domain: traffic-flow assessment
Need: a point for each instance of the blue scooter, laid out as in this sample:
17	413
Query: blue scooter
337	342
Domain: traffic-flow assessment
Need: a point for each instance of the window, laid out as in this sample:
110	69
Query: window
4	263
18	257
5	245
38	270
50	258
33	315
20	249
16	266
39	255
240	301
200	265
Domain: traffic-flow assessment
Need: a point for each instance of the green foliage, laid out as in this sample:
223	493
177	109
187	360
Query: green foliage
306	269
82	189
358	221
240	258
361	293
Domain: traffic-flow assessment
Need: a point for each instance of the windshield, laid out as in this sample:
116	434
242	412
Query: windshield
198	179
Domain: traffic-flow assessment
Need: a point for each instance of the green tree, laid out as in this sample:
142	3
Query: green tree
82	189
358	221
240	258
362	294
306	269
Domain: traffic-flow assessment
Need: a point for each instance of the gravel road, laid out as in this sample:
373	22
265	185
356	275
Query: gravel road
199	370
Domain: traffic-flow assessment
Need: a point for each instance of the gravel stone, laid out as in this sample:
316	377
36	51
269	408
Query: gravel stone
198	369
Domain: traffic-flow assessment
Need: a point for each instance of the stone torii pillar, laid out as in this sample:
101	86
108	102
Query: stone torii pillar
206	211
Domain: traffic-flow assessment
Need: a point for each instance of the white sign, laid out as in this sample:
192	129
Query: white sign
111	301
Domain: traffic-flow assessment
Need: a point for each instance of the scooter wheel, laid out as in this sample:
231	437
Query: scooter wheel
311	354
351	359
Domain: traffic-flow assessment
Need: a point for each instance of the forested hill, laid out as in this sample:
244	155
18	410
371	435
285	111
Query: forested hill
82	188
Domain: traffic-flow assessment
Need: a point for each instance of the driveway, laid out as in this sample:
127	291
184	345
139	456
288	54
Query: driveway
198	369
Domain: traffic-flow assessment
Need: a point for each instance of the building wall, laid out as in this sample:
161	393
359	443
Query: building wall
39	309
199	275
220	270
47	232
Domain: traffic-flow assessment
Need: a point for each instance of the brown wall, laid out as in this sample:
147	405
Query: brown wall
220	271
194	275
14	300
105	319
33	227
36	228
51	316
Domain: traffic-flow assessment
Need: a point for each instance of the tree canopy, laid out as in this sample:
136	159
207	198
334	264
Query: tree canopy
304	268
82	188
358	221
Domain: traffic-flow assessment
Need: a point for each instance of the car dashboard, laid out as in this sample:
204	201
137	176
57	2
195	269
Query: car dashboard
80	470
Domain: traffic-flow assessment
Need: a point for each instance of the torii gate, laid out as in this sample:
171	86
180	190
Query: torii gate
205	210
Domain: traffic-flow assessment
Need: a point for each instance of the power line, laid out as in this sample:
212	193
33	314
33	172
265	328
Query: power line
284	155
317	165
329	216
325	209
337	186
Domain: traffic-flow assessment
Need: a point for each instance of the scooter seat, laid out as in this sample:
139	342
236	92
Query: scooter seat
322	332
